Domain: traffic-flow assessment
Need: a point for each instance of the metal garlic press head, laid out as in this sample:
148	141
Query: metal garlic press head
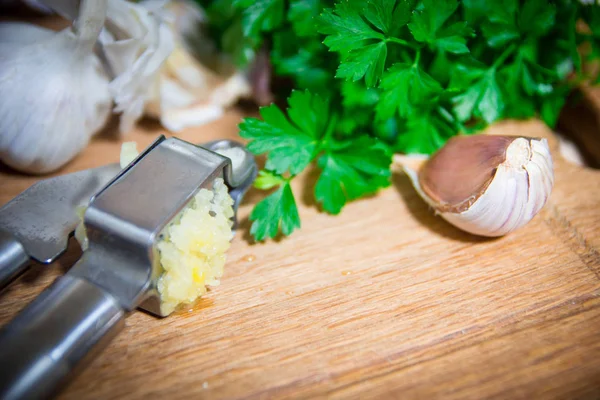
125	219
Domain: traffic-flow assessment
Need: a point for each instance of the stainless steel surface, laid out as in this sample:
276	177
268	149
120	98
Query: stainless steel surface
41	346
247	167
119	270
39	221
43	216
13	258
238	183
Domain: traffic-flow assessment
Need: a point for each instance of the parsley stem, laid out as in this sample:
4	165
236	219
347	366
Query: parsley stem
402	42
449	118
417	57
505	54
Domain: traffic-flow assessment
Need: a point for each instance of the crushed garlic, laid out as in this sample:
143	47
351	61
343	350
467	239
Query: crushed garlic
193	248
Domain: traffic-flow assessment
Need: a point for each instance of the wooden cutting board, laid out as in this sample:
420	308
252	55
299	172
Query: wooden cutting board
385	300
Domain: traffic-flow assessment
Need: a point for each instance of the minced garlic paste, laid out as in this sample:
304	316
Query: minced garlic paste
192	249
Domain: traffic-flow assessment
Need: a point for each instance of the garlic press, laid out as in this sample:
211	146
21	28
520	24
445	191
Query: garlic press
78	314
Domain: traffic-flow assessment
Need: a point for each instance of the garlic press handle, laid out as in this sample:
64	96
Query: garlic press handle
13	259
54	335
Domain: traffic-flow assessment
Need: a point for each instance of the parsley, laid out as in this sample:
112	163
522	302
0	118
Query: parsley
350	169
276	211
291	144
405	88
363	48
373	77
427	26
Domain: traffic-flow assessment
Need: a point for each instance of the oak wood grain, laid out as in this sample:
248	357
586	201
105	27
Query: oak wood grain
385	300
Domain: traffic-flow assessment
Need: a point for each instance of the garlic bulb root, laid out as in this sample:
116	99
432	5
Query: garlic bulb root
485	185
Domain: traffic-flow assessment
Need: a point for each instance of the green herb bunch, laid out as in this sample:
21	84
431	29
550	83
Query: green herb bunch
370	78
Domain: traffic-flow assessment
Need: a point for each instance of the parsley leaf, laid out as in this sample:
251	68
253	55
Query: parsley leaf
426	26
536	17
356	95
301	61
423	133
475	11
368	61
260	15
290	144
405	87
508	21
351	169
345	27
501	26
276	212
510	78
358	102
379	13
552	105
482	99
402	14
302	14
362	47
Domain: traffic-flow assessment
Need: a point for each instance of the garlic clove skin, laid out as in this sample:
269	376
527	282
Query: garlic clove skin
485	185
53	93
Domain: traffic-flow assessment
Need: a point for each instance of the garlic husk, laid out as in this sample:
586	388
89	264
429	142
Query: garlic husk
186	92
135	44
484	185
53	91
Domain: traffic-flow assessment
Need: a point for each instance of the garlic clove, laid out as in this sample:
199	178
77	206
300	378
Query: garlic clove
177	119
53	92
136	45
483	184
189	93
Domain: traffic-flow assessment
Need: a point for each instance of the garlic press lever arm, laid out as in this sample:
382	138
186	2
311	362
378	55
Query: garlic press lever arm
13	259
52	336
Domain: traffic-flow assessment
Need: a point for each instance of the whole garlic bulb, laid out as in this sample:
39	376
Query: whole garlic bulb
53	91
487	185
